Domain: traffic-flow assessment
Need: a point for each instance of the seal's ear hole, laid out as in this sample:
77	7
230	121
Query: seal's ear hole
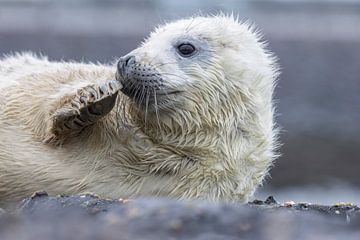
186	49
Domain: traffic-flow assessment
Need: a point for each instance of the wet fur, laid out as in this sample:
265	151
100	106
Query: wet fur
215	142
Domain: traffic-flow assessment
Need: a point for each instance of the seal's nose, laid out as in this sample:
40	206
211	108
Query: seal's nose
125	62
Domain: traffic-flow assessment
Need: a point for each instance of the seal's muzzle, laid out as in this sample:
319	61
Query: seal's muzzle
140	80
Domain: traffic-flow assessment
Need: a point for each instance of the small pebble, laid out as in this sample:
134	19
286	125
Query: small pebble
271	200
289	203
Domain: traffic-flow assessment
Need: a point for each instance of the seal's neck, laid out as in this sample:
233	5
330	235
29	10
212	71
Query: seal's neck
190	140
212	152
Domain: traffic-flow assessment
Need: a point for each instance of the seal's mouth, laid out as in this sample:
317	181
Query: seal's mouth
146	93
169	92
143	83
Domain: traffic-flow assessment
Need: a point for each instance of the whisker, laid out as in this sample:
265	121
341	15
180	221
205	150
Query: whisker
142	95
171	74
162	64
150	62
120	108
133	88
157	113
168	97
188	26
129	84
146	107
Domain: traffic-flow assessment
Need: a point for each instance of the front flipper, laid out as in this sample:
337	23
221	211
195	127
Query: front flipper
89	104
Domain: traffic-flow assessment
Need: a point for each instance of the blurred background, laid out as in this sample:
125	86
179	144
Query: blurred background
318	95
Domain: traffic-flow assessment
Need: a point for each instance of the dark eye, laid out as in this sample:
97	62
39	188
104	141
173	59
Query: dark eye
186	49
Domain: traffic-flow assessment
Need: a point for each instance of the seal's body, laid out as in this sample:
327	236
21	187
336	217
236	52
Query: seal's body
193	119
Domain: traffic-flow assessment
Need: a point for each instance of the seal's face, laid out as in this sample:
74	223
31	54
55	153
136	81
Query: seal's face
200	65
159	72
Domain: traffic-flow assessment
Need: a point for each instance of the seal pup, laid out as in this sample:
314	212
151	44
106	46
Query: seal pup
194	118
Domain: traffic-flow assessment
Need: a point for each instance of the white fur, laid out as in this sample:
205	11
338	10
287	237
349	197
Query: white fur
216	141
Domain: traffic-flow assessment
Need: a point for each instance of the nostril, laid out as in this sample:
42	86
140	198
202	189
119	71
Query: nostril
127	60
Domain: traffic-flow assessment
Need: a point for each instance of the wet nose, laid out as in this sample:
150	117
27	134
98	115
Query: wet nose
124	62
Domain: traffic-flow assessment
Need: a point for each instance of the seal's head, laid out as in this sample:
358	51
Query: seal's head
206	84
